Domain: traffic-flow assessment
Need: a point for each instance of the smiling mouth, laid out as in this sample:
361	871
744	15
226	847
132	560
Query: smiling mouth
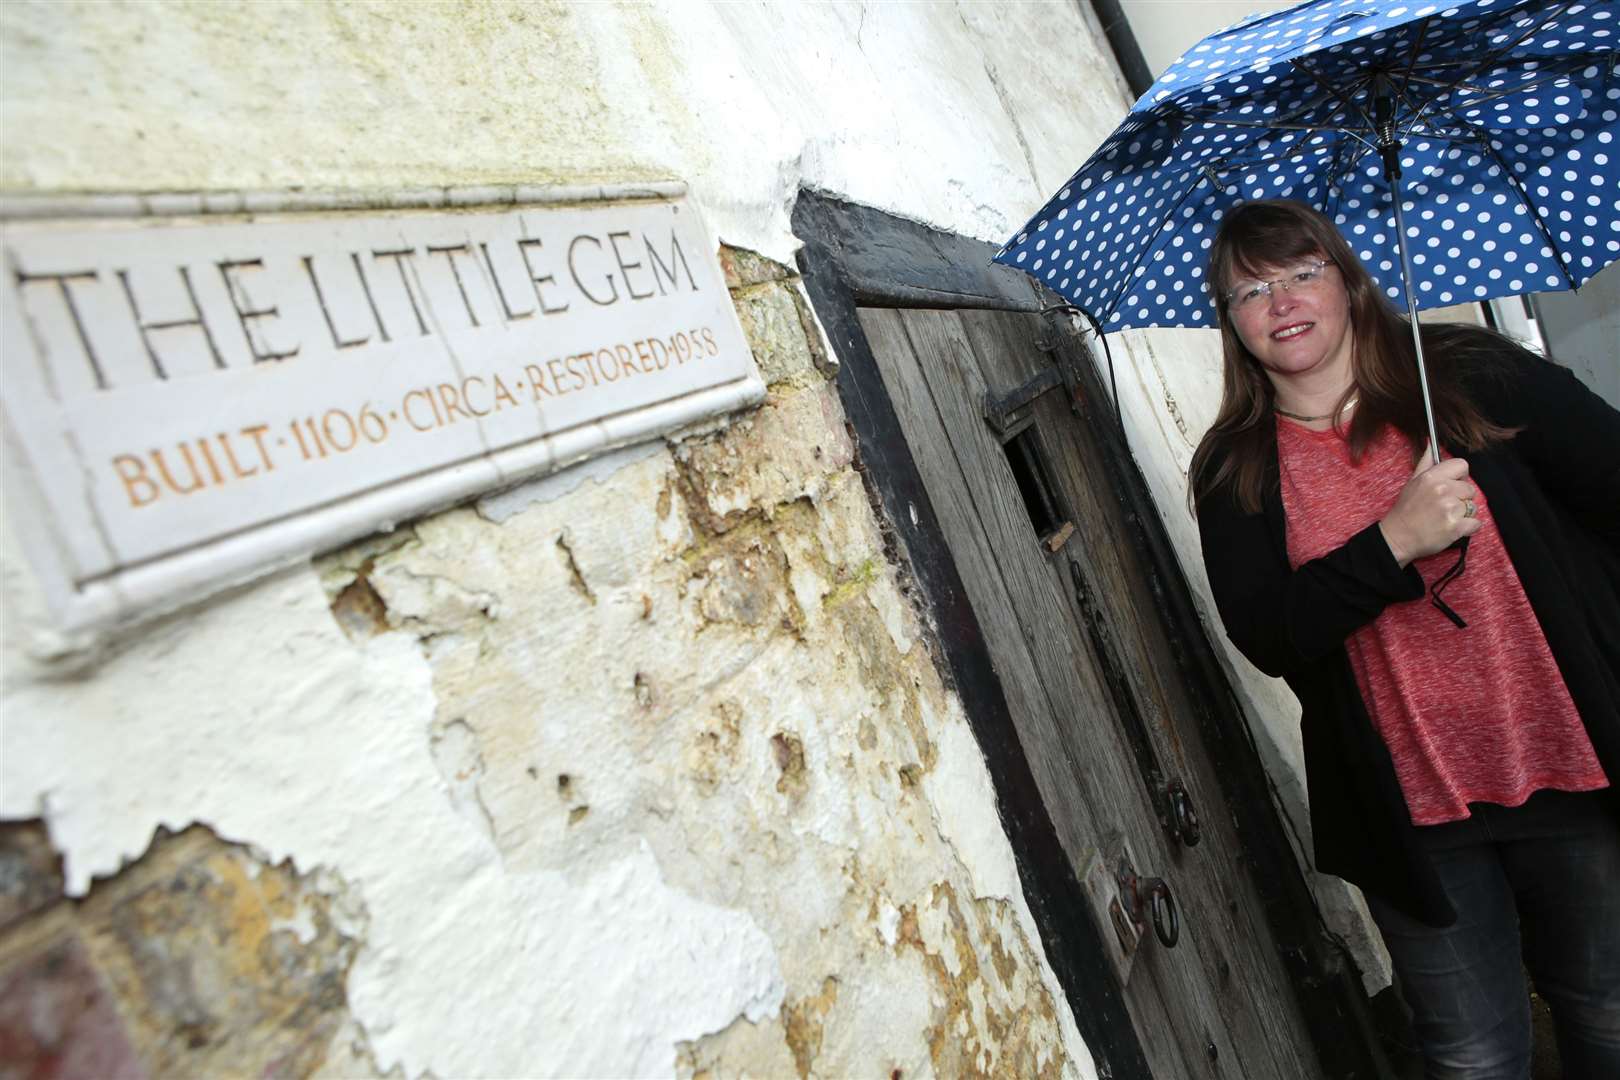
1291	331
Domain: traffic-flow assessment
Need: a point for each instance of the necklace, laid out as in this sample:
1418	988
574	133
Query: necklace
1325	416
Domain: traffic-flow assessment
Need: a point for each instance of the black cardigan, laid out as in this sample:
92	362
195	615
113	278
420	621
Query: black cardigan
1554	493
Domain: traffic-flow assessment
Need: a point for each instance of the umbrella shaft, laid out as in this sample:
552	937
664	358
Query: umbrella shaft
1410	288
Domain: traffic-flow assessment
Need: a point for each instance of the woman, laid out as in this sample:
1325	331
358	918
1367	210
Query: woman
1460	749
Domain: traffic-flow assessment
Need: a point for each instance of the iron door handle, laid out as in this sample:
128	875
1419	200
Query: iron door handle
1166	920
1152	893
1183	818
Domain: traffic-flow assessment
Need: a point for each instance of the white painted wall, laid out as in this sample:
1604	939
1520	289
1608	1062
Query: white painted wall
1165	29
496	942
1582	331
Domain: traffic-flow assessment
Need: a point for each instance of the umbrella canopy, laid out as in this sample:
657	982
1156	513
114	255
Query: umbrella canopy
1494	120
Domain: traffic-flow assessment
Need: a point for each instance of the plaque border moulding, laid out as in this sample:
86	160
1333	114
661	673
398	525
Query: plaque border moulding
142	588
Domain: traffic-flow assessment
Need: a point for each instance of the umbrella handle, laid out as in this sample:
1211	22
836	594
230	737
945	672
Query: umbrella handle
1394	177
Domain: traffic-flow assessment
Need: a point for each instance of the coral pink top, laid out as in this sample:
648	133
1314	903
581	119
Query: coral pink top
1469	715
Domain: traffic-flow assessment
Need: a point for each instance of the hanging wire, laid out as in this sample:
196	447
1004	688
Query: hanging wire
1096	328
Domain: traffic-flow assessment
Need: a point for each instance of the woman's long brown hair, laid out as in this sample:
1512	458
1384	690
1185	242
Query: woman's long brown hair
1258	237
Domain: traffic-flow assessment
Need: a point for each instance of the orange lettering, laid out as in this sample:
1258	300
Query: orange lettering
537	379
502	394
256	433
137	485
197	482
467	398
230	458
556	378
452	406
208	456
406	406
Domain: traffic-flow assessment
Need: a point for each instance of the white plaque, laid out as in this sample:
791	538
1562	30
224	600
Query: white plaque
188	399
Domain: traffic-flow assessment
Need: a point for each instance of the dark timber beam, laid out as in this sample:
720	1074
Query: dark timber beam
1123	41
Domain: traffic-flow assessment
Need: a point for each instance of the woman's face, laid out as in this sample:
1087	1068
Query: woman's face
1300	333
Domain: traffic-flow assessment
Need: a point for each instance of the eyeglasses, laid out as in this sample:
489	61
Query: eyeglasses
1301	277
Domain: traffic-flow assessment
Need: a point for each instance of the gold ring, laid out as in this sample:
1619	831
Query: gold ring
1468	508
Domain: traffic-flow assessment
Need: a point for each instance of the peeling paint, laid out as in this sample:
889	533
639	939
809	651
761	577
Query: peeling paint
641	762
354	796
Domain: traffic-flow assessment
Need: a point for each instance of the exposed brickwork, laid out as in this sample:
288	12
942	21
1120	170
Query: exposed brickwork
57	1019
198	959
30	870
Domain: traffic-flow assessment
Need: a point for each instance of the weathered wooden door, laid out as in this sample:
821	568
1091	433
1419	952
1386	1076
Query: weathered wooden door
1047	560
1006	431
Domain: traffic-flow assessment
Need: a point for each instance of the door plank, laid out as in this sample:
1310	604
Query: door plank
1079	699
1008	337
1054	765
1120	583
1005	348
1056	758
1254	994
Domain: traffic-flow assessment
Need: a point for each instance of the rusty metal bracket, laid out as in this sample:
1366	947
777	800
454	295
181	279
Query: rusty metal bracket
1010	412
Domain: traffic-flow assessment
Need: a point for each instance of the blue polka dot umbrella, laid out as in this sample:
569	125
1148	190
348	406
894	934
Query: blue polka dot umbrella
1466	151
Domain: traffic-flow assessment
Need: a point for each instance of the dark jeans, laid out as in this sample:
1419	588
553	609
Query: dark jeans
1551	868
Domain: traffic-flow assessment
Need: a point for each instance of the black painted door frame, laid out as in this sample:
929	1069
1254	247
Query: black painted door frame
854	256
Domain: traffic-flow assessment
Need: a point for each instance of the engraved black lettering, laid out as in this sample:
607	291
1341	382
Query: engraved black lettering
146	328
244	310
500	293
338	341
63	285
538	279
450	251
399	255
625	268
371	301
661	269
573	245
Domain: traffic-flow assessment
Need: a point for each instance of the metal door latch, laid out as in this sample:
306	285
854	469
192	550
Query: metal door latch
1151	893
1183	818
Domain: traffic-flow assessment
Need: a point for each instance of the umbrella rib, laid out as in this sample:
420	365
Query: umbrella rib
1334	92
1482	96
1524	198
1412	56
1233	164
1164	223
1415	109
1482	140
1332	129
1491	61
1574	59
1325	128
1337	171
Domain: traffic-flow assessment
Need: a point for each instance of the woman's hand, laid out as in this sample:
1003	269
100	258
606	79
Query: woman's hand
1434	508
